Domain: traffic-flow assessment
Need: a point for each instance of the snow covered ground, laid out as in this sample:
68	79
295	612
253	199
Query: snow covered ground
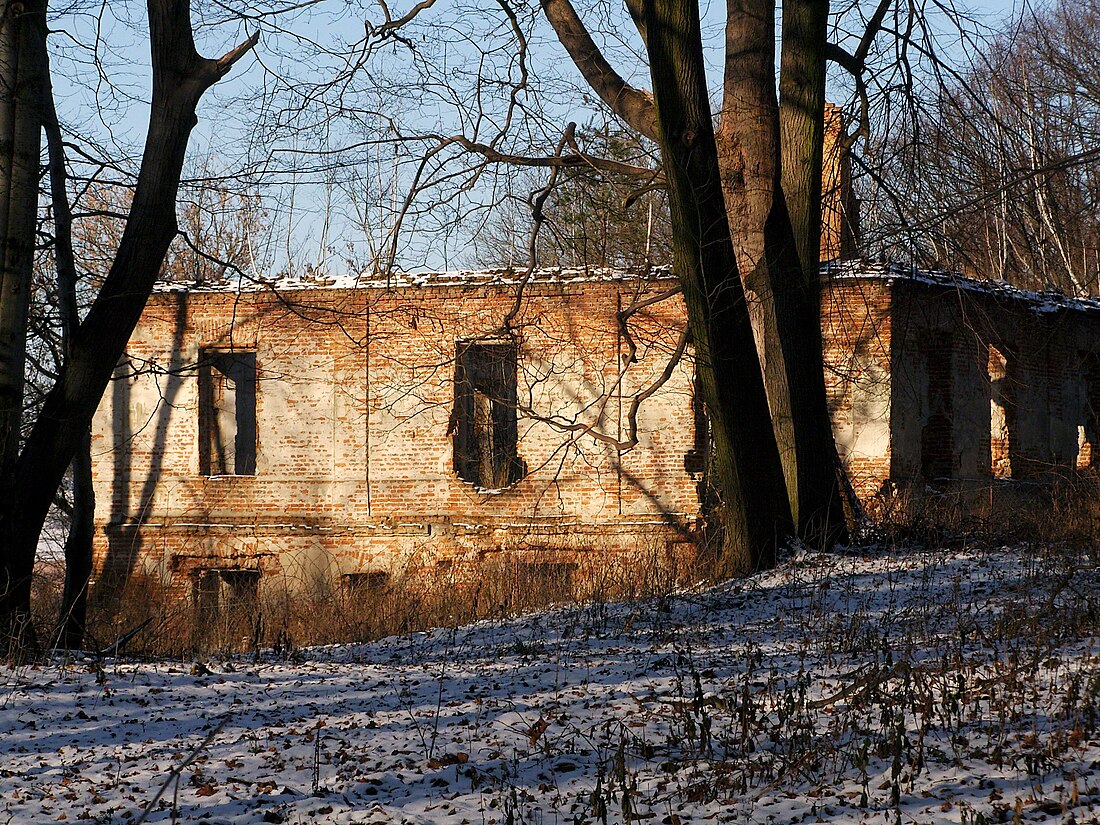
948	686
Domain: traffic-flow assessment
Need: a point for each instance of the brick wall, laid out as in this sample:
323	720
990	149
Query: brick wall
1017	367
355	465
855	327
355	404
839	209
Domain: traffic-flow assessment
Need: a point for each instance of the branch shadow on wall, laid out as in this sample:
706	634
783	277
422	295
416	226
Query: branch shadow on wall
124	538
671	519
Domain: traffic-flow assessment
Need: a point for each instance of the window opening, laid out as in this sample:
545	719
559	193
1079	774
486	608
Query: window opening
1088	431
227	413
937	438
227	604
362	584
541	582
1000	403
486	431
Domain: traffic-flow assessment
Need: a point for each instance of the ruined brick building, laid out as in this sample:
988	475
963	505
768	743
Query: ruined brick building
937	379
349	430
355	431
317	430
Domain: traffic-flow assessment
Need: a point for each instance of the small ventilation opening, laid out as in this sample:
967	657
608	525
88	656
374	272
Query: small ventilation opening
543	582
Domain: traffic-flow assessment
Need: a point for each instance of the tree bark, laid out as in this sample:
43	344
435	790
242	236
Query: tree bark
802	132
748	140
782	299
754	512
781	284
802	123
22	26
180	76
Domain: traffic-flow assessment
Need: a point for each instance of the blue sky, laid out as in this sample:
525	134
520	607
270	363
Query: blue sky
112	107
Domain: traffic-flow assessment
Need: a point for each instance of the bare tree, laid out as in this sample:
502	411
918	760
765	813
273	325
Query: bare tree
999	176
30	481
770	252
770	170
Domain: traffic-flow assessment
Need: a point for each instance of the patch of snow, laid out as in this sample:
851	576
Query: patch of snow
1043	302
871	686
400	280
1049	300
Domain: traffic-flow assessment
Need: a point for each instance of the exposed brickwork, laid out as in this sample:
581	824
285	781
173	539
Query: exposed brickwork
839	210
355	468
1001	351
855	327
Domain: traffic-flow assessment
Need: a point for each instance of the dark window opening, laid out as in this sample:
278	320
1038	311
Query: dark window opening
485	426
357	585
937	445
541	582
695	459
227	604
227	413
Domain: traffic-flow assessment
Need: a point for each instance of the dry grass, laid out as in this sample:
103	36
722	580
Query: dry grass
1057	517
322	609
1055	511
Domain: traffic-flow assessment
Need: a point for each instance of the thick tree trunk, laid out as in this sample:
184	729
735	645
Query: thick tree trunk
820	515
802	123
180	76
748	140
754	512
802	130
784	303
22	28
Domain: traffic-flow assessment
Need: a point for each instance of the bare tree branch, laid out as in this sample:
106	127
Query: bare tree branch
632	105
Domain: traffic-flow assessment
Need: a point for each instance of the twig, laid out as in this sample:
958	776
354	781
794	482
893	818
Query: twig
176	771
113	649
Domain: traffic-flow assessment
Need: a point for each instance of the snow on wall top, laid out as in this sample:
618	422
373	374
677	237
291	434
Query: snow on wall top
407	280
1048	300
1044	301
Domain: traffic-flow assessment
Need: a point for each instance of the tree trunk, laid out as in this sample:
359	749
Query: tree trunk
802	134
78	544
802	124
784	311
22	27
180	76
784	299
78	551
748	139
754	512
